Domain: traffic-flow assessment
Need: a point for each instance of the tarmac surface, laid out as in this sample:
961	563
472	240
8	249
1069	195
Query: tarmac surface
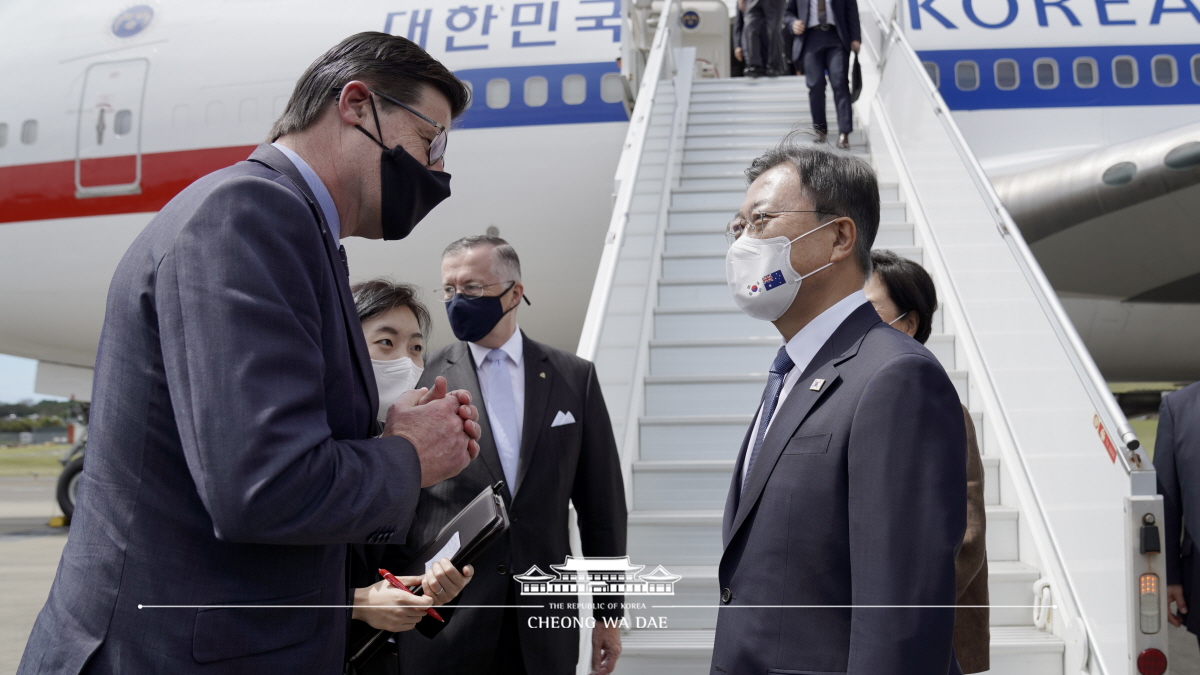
29	552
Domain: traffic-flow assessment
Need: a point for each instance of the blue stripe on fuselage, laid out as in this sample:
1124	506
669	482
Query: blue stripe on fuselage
1185	91
554	111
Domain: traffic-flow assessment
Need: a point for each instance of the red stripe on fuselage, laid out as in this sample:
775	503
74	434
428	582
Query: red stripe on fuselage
43	191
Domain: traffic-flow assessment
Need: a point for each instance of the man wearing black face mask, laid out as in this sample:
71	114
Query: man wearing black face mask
234	448
546	434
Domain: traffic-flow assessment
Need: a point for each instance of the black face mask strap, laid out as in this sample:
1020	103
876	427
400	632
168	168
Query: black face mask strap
375	113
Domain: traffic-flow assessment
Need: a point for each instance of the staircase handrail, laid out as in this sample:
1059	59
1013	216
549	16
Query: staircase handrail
660	60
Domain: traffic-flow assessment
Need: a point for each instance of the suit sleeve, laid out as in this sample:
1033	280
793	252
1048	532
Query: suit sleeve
852	21
239	305
907	514
1167	475
790	13
599	490
974	549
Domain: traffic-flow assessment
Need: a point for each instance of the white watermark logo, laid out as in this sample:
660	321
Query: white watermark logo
597	576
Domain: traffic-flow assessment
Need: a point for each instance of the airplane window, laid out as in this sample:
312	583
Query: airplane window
537	92
214	114
1045	73
931	69
966	75
1119	174
247	110
1007	76
1124	71
3	135
1196	69
574	89
612	88
29	132
1085	73
123	122
1163	67
181	117
498	93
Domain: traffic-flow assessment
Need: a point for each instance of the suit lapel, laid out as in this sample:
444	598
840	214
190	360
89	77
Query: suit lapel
840	347
460	373
271	157
539	378
735	488
787	419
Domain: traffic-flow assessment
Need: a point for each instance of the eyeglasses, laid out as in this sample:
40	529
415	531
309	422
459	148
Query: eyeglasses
754	227
437	147
472	290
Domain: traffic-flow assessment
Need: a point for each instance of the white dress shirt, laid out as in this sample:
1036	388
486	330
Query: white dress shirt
812	13
802	348
514	348
324	199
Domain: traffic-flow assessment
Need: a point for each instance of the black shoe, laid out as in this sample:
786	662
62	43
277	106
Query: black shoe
844	141
753	72
819	137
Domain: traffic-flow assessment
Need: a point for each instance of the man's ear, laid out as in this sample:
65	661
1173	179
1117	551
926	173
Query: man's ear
354	104
846	234
518	292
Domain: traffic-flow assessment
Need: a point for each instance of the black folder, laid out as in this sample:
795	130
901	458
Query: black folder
478	525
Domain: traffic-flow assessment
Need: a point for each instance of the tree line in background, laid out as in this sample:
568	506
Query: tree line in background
30	416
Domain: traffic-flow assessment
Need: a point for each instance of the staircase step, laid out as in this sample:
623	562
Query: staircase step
1003	544
681	484
991	479
721	356
675	538
697	587
710	240
714	321
744	156
700	437
1025	650
1011	583
666	652
692	210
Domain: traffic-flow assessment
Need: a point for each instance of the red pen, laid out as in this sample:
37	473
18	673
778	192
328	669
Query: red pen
391	579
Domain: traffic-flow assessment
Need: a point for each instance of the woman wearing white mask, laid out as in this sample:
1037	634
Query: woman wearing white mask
905	297
395	324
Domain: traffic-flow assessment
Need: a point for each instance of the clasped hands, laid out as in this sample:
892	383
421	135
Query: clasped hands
442	426
388	608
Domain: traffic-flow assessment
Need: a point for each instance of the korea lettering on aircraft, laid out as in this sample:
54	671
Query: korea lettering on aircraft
483	27
937	24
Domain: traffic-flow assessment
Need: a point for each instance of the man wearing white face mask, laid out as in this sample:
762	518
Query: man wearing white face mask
848	499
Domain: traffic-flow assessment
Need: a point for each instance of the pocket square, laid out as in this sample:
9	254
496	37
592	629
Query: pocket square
563	418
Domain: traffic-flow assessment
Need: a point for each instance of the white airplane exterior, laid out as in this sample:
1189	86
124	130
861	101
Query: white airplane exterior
110	110
1086	116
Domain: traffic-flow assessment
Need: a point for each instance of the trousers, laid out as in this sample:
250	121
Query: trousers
824	52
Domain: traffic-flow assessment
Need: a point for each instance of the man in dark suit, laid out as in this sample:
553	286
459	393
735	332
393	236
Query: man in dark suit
762	38
1177	463
546	434
232	453
848	499
825	32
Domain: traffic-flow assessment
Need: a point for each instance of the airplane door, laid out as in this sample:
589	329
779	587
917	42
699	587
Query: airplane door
108	142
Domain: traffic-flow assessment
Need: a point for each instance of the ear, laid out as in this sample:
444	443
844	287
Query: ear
354	105
518	292
908	324
846	234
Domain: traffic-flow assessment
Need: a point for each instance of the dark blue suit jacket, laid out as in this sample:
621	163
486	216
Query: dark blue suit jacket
857	497
229	459
1177	463
845	17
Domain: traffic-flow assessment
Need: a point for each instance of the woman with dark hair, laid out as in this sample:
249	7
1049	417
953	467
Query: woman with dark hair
395	324
903	294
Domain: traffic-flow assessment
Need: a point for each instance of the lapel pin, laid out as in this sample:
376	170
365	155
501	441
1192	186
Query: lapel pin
817	384
542	375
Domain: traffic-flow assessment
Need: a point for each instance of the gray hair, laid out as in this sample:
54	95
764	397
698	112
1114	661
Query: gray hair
836	183
505	263
390	63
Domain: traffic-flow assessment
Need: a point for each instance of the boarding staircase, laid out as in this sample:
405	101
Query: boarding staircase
682	370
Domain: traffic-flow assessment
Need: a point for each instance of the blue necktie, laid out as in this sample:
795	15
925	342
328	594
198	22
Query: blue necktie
502	413
779	370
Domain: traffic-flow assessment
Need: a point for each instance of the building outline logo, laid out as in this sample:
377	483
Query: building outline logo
604	576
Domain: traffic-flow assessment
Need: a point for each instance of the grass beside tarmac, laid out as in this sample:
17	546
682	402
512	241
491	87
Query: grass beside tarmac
31	460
